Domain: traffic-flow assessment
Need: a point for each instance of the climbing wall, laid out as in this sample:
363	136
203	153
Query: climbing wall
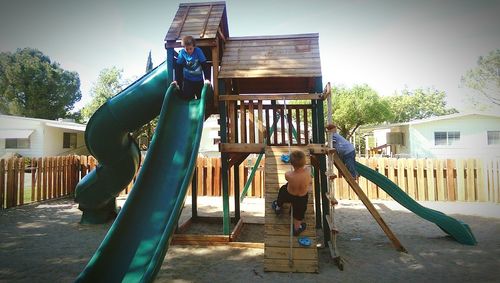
277	228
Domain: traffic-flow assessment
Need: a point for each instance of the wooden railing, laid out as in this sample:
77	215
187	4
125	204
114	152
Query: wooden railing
252	121
422	179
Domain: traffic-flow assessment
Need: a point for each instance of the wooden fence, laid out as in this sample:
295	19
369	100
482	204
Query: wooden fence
432	179
23	181
422	179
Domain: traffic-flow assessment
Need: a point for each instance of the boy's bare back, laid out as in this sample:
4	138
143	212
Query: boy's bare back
299	181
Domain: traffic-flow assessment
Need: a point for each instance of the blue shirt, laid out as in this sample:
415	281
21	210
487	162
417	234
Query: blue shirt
192	64
342	146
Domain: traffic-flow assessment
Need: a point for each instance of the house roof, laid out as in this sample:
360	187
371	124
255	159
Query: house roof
430	120
200	20
50	123
271	56
15	134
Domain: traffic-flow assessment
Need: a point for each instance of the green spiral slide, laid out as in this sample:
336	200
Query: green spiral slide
135	245
460	231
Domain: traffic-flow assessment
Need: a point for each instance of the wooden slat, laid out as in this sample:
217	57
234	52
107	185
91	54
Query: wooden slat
15	195
268	127
431	183
21	180
381	169
482	190
260	121
306	128
206	21
283	252
2	183
251	122
450	180
282	265
440	180
10	183
39	179
460	164
471	190
45	193
233	122
297	125
300	96
401	174
242	148
243	125
411	178
282	123
421	189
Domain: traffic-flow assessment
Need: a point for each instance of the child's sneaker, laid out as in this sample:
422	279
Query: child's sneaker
276	208
301	229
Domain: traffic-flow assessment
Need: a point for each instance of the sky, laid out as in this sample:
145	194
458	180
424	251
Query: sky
389	45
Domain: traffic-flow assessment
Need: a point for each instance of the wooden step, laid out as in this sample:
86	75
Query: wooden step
277	228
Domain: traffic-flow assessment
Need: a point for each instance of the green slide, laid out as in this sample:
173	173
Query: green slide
136	244
456	229
108	140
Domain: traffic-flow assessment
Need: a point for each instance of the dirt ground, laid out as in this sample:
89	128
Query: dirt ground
44	243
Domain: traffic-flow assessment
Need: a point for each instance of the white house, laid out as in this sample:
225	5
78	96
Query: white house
210	139
458	135
31	137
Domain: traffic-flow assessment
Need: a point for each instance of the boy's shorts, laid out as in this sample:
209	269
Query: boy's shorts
350	162
299	204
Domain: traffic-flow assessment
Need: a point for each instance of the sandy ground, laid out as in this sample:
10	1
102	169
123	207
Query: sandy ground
44	243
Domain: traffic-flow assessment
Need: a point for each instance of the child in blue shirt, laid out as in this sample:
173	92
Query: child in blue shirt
192	62
345	151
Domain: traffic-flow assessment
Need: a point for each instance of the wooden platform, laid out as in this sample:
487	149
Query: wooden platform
277	228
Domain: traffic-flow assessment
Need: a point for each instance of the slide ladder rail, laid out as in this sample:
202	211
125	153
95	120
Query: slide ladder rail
460	231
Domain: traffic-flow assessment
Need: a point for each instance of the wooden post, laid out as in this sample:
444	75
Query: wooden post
45	171
421	179
21	181
2	183
431	187
16	182
34	165
10	183
440	180
243	122
471	189
39	181
482	190
450	179
461	180
251	122
373	211
411	178
225	168
259	121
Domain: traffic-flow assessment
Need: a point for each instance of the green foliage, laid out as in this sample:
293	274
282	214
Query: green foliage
355	107
418	104
32	85
485	78
109	83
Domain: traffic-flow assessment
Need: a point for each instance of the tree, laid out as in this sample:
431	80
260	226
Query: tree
485	78
32	85
109	83
418	104
357	106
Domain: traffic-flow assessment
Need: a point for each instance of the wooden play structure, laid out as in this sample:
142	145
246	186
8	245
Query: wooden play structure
269	95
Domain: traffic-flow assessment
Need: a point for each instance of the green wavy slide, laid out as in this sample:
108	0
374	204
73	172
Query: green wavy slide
460	231
137	242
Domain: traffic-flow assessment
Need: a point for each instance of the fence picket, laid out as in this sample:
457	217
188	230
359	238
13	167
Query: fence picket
431	181
460	164
2	183
21	181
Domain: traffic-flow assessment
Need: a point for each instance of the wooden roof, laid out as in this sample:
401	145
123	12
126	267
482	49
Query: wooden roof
271	56
200	20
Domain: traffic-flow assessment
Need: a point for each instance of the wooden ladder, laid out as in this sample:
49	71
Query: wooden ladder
277	228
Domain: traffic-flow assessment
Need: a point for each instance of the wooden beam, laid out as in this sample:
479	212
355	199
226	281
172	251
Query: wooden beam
235	159
369	205
241	148
296	96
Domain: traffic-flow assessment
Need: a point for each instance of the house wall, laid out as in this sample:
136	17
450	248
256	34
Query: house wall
210	132
36	138
473	138
53	141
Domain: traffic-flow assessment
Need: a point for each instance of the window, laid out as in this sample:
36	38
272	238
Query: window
17	143
69	140
493	137
446	138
